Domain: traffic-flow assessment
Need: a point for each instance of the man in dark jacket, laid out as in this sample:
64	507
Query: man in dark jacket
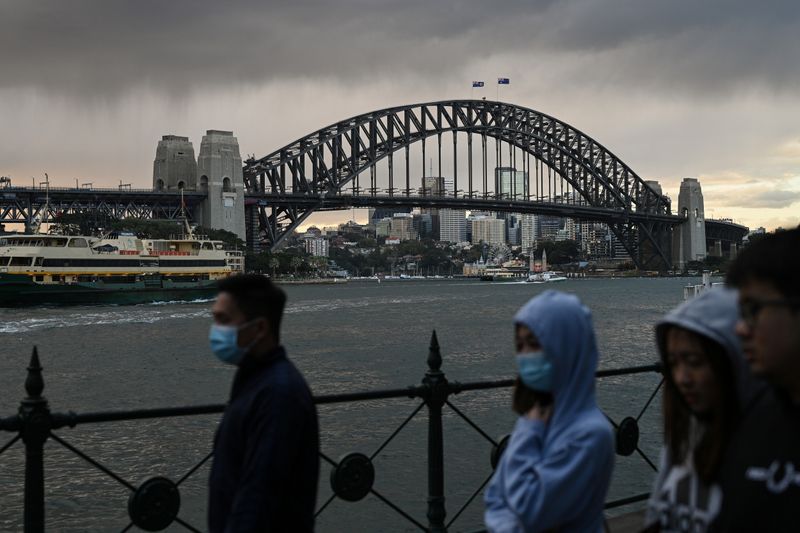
266	463
760	478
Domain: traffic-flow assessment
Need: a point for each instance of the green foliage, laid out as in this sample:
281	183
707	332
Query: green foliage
560	252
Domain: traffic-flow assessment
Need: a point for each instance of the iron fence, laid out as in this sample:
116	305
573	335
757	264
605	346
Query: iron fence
155	504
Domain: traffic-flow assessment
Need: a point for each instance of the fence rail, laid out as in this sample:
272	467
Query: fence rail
155	504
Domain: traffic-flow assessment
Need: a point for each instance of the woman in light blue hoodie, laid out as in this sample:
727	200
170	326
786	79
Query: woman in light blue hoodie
555	472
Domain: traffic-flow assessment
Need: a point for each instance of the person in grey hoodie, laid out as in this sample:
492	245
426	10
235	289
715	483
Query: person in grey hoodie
707	388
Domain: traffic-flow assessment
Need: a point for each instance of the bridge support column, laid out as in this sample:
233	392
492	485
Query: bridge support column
690	237
219	173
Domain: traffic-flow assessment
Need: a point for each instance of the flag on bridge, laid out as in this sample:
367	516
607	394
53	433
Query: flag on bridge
477	84
503	81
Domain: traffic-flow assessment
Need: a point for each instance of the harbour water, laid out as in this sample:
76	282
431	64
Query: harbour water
344	337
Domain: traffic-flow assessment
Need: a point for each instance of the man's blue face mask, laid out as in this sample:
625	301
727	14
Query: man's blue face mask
535	371
224	341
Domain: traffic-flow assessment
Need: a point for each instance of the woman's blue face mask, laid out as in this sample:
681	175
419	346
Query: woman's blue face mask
224	341
535	370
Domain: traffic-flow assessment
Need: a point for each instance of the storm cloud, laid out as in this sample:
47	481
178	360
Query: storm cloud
105	47
674	88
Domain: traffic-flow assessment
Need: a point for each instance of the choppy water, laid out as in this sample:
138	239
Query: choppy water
344	337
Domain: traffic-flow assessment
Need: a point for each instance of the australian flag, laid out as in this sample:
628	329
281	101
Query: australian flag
477	84
503	81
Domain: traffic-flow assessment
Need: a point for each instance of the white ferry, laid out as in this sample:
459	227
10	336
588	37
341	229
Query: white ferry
122	268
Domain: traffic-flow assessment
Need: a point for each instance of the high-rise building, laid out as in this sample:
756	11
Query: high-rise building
548	227
510	183
433	186
383	227
528	231
423	225
403	227
488	230
452	225
379	213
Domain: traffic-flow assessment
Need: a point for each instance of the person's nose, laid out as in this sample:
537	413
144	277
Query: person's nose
683	377
743	329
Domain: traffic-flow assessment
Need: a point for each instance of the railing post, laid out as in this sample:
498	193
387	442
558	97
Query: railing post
437	393
34	415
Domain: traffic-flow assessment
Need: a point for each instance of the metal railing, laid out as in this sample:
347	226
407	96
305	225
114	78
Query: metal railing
155	504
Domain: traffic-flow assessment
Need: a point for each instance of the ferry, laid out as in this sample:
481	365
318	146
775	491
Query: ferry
545	277
114	269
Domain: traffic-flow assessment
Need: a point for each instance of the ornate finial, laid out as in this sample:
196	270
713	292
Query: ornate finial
34	383
434	354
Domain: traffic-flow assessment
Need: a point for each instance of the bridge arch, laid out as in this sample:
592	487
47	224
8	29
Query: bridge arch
321	165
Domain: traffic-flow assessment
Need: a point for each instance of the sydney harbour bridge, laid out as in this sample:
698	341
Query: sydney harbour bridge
379	158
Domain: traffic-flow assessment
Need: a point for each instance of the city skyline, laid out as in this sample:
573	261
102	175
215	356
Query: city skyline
675	90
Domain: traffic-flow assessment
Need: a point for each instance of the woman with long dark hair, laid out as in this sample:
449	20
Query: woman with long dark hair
706	389
555	472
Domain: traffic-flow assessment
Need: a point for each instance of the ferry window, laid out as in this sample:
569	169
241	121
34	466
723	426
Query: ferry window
219	246
3	261
56	278
38	278
20	261
78	243
207	246
38	261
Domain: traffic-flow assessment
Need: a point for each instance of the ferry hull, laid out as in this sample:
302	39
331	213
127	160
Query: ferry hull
20	291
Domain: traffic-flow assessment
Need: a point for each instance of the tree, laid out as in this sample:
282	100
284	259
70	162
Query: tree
296	262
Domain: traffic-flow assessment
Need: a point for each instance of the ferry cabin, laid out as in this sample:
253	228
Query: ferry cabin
60	259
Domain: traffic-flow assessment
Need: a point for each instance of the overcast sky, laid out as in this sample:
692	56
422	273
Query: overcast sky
675	88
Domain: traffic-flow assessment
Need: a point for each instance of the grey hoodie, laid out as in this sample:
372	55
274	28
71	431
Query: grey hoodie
713	314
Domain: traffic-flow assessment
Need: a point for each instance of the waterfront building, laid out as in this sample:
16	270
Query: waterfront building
488	230
402	227
453	225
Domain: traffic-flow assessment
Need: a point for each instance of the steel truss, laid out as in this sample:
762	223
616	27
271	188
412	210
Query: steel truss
26	205
310	173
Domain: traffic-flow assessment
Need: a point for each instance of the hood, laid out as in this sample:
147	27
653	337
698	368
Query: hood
564	328
713	314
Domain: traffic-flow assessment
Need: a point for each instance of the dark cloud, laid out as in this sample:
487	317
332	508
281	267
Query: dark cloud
104	47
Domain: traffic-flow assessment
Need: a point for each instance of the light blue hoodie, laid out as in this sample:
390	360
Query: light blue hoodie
556	475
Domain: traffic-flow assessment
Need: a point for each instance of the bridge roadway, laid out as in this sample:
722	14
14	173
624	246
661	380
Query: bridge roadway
20	204
26	204
568	210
